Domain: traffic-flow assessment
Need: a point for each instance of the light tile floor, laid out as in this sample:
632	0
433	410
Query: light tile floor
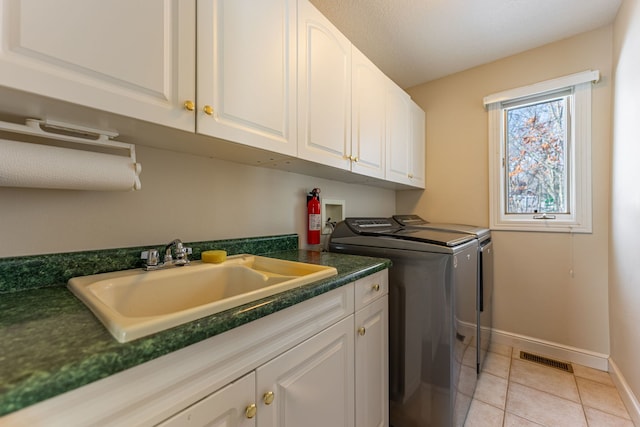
517	393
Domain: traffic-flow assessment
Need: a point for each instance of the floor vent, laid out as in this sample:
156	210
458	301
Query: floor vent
563	366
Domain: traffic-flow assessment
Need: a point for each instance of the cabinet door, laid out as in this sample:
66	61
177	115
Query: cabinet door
312	385
417	160
368	116
247	72
324	90
398	134
228	407
372	366
134	58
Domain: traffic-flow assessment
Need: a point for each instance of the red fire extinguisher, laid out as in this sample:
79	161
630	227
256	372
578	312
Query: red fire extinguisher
313	217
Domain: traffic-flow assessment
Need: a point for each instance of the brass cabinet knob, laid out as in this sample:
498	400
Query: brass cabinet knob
376	287
189	105
268	397
362	331
251	410
208	110
410	176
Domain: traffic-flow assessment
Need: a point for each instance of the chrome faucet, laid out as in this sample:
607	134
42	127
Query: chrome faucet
174	247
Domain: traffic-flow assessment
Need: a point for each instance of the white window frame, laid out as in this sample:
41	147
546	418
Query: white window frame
579	218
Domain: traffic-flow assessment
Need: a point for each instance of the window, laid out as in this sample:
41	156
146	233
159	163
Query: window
540	156
536	164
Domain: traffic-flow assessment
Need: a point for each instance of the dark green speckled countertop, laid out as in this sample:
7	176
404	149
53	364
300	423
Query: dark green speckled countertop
51	343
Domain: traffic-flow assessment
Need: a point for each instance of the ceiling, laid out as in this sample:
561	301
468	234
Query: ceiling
415	41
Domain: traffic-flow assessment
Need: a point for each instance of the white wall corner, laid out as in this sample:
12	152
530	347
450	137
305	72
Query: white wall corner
628	398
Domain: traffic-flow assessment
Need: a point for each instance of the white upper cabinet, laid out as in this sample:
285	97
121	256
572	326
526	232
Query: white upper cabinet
324	90
405	139
368	116
417	175
275	75
398	134
134	58
246	68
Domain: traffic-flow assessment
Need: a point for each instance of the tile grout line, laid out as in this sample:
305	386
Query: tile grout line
506	395
584	413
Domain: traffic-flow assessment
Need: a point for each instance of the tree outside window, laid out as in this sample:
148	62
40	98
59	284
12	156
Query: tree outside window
536	157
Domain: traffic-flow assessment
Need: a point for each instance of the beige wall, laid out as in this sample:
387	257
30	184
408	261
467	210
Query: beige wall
624	257
535	295
184	196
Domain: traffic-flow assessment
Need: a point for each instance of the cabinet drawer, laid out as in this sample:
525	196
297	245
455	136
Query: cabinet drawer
370	288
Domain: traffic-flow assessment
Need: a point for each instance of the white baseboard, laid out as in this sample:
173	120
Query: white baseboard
551	349
629	399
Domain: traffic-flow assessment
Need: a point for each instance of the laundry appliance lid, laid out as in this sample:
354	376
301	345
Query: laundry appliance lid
413	220
386	227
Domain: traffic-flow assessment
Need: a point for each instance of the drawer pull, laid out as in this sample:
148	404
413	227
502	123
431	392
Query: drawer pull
189	105
268	397
376	287
251	410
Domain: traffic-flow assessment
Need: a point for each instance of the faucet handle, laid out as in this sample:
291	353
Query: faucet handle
182	253
181	250
151	255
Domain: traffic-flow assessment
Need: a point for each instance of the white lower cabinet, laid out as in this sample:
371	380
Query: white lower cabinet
372	350
231	406
311	385
371	367
337	378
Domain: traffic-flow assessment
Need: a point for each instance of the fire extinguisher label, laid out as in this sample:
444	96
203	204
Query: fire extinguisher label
314	222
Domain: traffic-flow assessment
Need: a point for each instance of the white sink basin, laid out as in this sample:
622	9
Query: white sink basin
135	303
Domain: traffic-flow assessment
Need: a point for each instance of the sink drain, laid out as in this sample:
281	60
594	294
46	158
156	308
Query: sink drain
563	366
